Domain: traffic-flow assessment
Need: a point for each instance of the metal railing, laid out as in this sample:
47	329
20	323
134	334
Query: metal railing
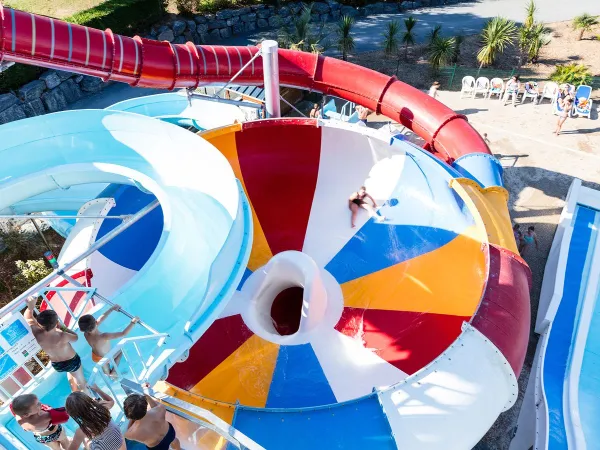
205	419
112	358
44	287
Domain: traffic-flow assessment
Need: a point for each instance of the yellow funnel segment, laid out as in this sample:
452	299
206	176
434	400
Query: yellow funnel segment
491	203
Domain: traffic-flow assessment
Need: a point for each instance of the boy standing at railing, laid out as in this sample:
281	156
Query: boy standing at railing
149	425
55	339
99	341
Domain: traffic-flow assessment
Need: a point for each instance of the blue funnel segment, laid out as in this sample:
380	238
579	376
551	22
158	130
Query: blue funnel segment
135	246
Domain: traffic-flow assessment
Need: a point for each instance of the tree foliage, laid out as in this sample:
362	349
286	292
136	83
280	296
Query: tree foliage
434	34
408	35
301	35
21	256
573	73
391	38
345	41
441	52
497	34
584	23
532	36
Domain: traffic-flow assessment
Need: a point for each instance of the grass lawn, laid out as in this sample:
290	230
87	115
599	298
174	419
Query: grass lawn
52	8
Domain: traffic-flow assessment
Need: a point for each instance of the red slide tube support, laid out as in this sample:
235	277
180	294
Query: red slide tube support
37	40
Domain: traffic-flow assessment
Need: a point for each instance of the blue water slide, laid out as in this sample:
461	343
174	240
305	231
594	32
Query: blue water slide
206	218
177	108
559	377
480	167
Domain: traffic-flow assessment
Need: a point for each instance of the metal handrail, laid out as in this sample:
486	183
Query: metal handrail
57	216
18	302
197	415
110	357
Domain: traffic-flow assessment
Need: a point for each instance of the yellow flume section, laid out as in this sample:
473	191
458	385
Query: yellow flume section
222	410
492	204
224	140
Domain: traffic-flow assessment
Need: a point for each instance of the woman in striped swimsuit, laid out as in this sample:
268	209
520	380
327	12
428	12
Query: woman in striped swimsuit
95	424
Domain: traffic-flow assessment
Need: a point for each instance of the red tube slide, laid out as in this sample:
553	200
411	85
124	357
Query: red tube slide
30	39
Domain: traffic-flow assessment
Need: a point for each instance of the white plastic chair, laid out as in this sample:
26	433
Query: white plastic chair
482	86
549	92
534	94
508	93
496	88
468	86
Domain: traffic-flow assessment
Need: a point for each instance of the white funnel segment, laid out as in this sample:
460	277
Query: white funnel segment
321	301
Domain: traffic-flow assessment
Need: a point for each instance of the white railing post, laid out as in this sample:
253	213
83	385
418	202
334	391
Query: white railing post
271	74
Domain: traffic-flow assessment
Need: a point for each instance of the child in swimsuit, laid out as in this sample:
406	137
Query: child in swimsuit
529	238
566	104
357	200
99	341
148	423
518	234
44	422
55	339
96	428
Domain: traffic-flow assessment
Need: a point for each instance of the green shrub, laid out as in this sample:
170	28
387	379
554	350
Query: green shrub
187	7
212	6
30	272
575	74
121	16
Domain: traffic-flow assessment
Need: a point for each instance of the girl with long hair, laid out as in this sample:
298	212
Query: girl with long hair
96	427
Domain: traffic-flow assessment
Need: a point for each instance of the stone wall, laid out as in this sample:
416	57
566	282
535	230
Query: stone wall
52	92
209	28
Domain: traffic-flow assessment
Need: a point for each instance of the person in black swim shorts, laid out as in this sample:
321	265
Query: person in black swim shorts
55	339
148	423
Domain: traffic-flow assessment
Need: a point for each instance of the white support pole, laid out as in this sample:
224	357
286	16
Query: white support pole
271	74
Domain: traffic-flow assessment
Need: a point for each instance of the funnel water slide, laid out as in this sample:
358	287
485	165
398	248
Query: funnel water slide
410	328
389	346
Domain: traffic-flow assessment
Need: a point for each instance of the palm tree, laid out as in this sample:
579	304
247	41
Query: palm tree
584	23
530	10
390	38
441	52
408	36
434	33
458	40
299	35
497	34
524	42
539	36
345	40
